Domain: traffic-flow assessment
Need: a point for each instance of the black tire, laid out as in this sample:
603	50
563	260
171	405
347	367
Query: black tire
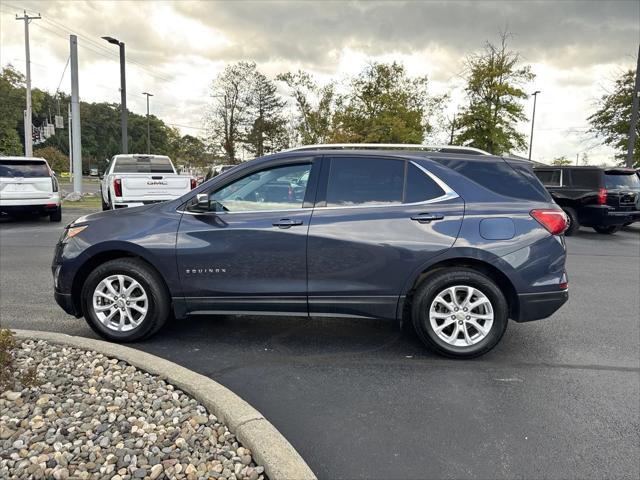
608	230
573	222
56	216
158	310
436	283
105	205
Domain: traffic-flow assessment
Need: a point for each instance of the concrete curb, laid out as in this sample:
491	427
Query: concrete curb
280	460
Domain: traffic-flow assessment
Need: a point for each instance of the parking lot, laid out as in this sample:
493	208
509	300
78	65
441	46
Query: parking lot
361	399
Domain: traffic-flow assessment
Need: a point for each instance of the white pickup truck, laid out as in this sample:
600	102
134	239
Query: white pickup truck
133	180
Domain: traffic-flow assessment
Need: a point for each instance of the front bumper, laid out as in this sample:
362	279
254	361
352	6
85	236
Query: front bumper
66	303
536	306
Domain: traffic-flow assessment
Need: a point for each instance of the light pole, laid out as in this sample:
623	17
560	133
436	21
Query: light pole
123	94
533	120
148	131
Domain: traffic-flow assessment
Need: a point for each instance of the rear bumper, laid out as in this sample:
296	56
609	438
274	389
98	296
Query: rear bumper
137	203
604	215
35	209
536	306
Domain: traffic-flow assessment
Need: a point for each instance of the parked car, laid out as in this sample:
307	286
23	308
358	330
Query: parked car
602	198
455	244
29	186
134	180
93	172
216	170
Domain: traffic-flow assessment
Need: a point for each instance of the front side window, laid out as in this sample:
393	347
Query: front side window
279	188
549	178
365	181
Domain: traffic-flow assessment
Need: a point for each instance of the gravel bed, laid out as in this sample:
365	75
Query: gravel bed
94	417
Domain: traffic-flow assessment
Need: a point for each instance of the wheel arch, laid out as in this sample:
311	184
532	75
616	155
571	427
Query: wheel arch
98	259
484	266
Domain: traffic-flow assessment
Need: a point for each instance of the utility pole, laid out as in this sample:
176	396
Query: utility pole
148	130
634	115
28	129
75	116
123	94
70	142
533	121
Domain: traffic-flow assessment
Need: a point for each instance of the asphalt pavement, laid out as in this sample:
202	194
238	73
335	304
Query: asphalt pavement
558	398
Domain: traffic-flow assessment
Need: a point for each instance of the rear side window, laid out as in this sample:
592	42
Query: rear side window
617	181
585	178
420	187
511	180
23	168
142	165
549	178
365	181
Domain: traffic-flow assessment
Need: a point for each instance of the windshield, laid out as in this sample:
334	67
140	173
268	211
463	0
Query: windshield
23	168
618	181
143	165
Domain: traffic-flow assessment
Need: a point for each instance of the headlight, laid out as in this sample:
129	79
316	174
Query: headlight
72	232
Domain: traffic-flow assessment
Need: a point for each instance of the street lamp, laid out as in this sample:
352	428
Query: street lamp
123	94
533	120
148	131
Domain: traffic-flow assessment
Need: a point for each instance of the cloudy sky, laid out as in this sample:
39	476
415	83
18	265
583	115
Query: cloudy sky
176	48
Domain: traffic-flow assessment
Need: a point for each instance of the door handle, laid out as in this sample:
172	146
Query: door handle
427	217
286	223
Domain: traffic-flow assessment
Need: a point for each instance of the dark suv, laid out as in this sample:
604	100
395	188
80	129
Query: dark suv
454	243
602	198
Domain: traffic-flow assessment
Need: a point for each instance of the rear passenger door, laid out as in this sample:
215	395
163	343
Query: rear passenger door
376	221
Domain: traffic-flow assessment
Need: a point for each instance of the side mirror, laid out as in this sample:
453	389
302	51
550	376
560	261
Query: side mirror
202	203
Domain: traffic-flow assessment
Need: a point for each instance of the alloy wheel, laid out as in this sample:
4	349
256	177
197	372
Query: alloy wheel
461	315
120	303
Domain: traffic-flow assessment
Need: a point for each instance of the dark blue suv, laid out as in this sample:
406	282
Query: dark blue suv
453	241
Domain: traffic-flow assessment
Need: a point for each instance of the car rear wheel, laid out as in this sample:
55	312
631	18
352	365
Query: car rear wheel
124	300
608	230
573	225
460	313
56	216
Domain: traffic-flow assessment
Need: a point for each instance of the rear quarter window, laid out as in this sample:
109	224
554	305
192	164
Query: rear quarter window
23	168
585	178
515	180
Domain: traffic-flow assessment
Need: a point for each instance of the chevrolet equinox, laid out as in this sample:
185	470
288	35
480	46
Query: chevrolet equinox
449	239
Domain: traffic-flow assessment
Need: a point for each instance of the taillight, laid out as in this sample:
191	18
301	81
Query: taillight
117	187
602	196
564	282
555	221
54	183
193	183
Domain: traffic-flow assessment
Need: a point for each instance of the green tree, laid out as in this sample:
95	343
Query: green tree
610	123
384	105
563	160
58	161
267	131
11	108
191	151
227	115
495	81
315	107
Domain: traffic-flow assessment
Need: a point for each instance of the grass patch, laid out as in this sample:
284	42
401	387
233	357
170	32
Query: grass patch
86	202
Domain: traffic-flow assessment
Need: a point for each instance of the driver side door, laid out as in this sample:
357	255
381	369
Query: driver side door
248	253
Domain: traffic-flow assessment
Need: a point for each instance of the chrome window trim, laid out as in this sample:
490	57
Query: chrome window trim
449	194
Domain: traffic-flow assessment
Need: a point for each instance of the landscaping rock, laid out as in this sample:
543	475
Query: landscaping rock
91	417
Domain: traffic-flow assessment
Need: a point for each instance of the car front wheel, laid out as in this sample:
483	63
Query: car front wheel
125	300
460	313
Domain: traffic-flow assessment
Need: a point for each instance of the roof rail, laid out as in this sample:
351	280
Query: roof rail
391	146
